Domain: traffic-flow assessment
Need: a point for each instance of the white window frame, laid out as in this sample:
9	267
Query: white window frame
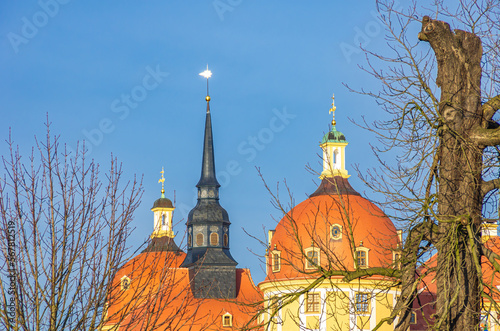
363	303
275	256
308	263
314	295
367	260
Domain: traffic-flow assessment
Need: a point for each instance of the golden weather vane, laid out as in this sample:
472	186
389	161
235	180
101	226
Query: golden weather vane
162	181
332	110
207	74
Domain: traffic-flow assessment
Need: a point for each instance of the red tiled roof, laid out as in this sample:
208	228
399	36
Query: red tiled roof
160	297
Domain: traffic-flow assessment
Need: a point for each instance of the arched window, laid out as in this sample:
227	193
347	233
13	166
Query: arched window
199	239
189	240
163	219
226	240
214	239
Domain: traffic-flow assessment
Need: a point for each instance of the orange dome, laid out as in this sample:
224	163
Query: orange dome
330	228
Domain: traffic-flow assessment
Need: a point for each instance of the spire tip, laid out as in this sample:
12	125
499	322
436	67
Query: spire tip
162	181
332	110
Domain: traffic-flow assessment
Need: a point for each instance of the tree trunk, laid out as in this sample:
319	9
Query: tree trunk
458	56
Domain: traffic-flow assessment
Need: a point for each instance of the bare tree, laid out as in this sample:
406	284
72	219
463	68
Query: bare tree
441	103
63	237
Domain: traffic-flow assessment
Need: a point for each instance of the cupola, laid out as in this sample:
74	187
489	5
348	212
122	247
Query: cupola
163	212
335	227
162	238
333	145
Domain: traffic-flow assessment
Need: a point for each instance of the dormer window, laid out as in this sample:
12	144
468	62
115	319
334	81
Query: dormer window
227	320
275	260
362	257
312	257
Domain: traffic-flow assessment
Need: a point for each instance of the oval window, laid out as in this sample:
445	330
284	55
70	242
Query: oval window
199	239
214	239
336	232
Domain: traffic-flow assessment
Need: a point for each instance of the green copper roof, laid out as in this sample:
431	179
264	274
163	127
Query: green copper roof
162	203
334	136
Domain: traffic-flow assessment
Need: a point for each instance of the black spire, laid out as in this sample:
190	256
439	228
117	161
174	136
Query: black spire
212	269
208	178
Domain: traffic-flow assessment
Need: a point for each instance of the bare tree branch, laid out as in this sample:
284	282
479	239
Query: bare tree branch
485	137
489	109
490	186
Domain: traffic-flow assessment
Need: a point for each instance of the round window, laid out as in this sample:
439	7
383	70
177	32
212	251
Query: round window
336	232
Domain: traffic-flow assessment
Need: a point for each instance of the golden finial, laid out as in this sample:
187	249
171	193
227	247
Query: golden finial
162	181
332	110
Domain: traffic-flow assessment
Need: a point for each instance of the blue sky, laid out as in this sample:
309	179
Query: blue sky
124	76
